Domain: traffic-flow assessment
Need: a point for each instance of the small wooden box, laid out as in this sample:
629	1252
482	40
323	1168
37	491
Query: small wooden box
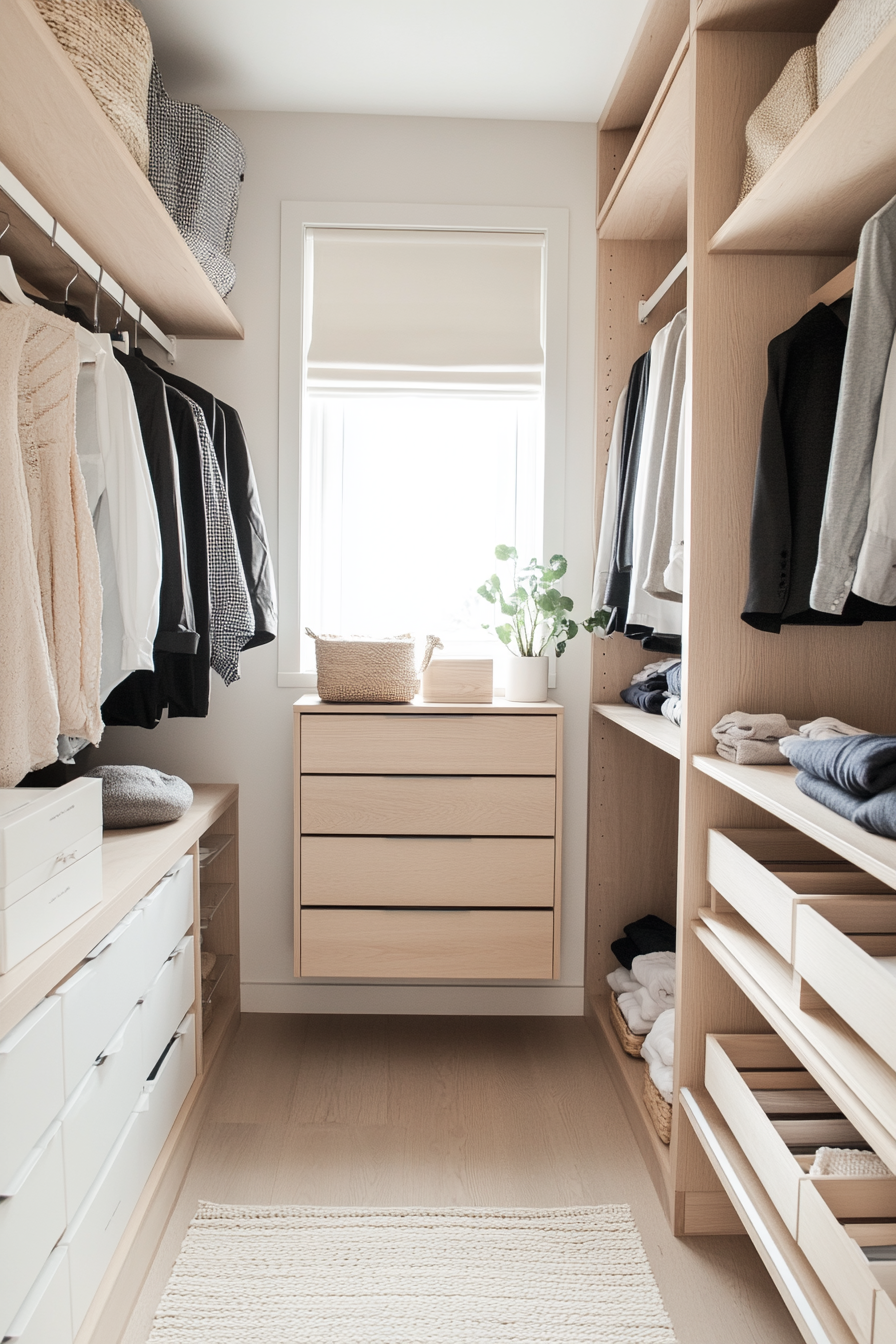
459	681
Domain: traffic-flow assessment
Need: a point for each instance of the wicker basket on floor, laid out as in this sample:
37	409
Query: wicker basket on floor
658	1108
630	1043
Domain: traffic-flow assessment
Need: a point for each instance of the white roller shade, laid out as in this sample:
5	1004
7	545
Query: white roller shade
419	308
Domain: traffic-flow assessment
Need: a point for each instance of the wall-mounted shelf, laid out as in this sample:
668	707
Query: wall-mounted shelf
653	728
836	172
649	199
653	47
774	788
57	141
764	16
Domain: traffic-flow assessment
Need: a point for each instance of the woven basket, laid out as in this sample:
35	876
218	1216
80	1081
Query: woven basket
785	108
354	670
849	31
630	1043
658	1108
108	43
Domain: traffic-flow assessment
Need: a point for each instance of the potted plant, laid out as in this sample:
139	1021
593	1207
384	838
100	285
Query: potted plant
539	616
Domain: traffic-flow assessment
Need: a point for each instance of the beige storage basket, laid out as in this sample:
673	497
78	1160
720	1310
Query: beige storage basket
630	1043
849	31
785	108
108	43
355	670
658	1108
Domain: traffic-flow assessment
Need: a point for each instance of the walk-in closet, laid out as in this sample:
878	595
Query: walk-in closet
447	715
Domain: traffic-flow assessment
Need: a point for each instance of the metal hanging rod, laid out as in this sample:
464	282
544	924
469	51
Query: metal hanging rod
73	250
646	306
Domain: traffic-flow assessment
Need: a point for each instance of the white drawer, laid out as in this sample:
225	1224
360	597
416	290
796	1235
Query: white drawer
38	826
170	995
31	1073
165	1092
37	917
96	1111
99	996
45	1317
167	914
32	1218
96	1229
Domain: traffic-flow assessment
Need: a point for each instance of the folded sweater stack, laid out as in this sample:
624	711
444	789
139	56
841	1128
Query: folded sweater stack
653	685
854	776
754	739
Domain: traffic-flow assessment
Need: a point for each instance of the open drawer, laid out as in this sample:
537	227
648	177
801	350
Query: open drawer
842	1221
766	874
846	951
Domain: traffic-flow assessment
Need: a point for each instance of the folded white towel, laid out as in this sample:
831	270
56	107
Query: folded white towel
846	1162
662	1075
658	1049
622	981
640	1014
824	728
656	972
653	668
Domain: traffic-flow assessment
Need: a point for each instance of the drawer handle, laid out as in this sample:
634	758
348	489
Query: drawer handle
411	717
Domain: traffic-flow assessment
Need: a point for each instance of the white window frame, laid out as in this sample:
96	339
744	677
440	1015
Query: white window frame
296	217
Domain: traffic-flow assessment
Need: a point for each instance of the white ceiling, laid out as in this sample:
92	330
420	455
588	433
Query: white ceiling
552	60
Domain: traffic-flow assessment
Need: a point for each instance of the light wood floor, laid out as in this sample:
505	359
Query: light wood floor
450	1111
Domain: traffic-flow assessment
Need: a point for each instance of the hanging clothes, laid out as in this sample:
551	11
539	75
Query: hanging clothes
606	537
875	577
671	483
29	724
616	597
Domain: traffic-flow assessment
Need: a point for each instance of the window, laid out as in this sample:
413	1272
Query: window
419	374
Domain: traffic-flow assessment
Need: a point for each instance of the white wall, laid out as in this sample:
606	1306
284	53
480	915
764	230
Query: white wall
247	736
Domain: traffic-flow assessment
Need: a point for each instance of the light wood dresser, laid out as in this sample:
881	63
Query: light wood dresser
427	840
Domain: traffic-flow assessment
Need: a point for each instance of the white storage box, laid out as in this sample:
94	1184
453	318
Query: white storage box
96	1229
37	917
45	830
45	1317
100	994
31	1084
32	1218
164	1094
95	1113
168	998
167	915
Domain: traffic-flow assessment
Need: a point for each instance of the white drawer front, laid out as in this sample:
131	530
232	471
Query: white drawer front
99	996
95	1231
171	994
95	1113
164	1094
167	914
51	867
36	918
36	825
45	1317
32	1219
31	1073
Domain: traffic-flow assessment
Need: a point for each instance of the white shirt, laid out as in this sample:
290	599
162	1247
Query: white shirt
875	577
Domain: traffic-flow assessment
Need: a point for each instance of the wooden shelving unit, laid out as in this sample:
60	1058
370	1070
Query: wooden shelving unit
55	138
219	893
766	16
652	728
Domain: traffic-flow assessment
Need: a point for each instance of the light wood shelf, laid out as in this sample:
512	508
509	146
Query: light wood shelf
794	1277
649	197
844	1065
773	788
653	728
653	47
835	173
55	138
764	16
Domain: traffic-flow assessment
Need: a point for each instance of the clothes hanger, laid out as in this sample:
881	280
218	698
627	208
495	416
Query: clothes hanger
117	335
96	302
9	284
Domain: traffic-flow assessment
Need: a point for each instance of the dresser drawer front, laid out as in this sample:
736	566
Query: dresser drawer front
428	944
427	871
418	805
446	744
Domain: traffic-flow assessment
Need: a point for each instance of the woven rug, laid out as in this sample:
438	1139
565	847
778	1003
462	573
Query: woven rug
269	1275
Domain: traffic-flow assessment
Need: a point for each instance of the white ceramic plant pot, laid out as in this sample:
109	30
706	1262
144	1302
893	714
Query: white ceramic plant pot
526	679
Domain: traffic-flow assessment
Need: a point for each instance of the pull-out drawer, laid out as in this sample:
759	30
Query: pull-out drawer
37	917
759	1086
427	871
45	1317
418	805
165	1091
32	1218
431	744
428	944
839	1217
170	995
98	1108
766	874
167	914
100	994
846	951
31	1072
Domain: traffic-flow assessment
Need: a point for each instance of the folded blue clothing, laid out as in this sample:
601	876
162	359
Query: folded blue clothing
673	679
876	814
649	700
861	765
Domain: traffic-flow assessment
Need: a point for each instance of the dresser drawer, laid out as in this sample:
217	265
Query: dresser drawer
48	909
838	1216
165	1091
32	1218
45	1317
437	744
427	871
418	805
31	1072
766	874
168	998
428	944
167	914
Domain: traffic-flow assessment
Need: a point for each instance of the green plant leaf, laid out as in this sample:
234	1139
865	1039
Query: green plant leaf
495	583
599	621
487	593
560	648
505	553
571	629
558	565
504	633
566	603
509	608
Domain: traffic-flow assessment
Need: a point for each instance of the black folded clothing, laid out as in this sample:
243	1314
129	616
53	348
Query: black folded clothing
625	951
651	934
645	697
